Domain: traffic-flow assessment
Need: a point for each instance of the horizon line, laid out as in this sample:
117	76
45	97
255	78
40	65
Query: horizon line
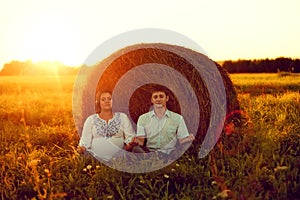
79	65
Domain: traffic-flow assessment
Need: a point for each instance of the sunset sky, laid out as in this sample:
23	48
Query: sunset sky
69	30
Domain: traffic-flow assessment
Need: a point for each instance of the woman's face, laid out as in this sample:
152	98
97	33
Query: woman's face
105	101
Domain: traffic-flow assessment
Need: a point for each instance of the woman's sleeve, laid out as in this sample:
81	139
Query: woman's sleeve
87	136
127	129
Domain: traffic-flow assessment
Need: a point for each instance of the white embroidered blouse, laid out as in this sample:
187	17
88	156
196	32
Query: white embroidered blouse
103	139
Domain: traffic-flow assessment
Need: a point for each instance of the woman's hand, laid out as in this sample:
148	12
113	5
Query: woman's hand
81	149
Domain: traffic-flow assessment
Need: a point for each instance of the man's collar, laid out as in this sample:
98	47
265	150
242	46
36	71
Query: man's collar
167	113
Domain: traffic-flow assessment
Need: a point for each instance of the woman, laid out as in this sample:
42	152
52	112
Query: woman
105	133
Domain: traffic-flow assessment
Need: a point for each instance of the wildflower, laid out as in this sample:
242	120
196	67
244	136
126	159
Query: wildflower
34	162
47	171
110	196
58	195
177	165
229	128
173	170
166	175
97	166
141	179
29	145
84	169
214	183
20	158
89	167
281	168
272	177
224	193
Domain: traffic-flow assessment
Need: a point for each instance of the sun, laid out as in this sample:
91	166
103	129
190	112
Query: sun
51	38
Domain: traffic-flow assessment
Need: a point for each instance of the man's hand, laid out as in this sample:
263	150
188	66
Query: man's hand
189	138
130	145
139	140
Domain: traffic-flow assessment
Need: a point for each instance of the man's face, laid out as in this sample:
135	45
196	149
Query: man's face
159	99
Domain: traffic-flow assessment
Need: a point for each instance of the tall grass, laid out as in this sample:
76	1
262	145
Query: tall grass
257	161
259	84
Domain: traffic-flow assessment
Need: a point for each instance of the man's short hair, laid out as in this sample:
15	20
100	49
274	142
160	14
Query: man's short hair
160	88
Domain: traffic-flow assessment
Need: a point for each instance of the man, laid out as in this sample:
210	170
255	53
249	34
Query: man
160	127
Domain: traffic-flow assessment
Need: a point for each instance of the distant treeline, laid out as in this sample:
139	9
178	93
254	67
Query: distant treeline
263	65
40	68
240	66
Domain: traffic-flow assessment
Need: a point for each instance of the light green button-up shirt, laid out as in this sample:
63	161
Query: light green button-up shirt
161	133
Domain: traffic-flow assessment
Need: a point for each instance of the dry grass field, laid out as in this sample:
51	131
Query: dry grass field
38	141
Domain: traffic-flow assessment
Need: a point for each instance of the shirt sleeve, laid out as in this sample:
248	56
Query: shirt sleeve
140	129
182	129
87	135
127	129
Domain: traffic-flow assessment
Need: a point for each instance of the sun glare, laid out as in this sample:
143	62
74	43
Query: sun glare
51	38
51	67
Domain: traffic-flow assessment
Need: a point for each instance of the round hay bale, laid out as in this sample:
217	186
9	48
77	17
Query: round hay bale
195	91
